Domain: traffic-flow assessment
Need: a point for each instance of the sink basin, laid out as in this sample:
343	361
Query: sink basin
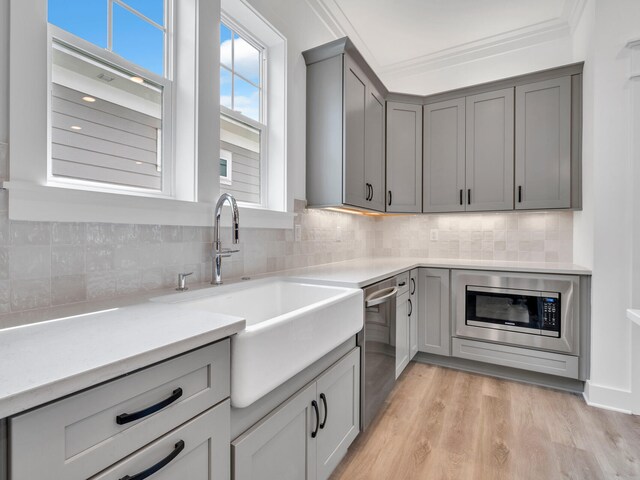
289	325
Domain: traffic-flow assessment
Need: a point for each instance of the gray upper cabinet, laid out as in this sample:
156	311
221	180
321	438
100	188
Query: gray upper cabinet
404	158
345	129
543	144
489	147
444	157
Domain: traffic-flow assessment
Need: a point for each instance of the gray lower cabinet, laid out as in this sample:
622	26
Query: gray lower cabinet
444	157
404	158
83	434
414	313
489	150
543	144
198	450
434	334
403	332
307	436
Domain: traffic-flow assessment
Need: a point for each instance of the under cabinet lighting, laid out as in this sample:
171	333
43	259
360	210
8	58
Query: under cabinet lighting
137	79
89	99
76	127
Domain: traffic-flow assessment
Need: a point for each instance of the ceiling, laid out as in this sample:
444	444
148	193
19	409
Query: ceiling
417	35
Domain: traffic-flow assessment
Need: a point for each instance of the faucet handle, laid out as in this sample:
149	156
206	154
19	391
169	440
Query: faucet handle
226	252
182	281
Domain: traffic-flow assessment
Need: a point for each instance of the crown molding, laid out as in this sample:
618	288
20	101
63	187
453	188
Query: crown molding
338	23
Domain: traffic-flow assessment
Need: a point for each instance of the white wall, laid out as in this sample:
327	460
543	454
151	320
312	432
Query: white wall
609	195
4	71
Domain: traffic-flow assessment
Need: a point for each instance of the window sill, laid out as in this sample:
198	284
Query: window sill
40	203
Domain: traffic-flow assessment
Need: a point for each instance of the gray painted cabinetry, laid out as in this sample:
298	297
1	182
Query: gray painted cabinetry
414	311
345	130
444	156
403	332
434	334
543	144
292	443
404	158
81	435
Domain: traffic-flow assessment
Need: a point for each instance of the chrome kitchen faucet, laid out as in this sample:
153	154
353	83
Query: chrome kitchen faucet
218	251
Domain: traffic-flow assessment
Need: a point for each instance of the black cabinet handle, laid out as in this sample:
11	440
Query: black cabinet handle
390	198
158	466
469	196
371	196
410	308
461	197
519	193
314	404
413	286
323	397
402	284
124	418
366	195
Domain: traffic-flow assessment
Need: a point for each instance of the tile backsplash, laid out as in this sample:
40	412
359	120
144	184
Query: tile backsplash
48	263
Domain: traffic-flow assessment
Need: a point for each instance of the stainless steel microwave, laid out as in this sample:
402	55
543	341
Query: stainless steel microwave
535	311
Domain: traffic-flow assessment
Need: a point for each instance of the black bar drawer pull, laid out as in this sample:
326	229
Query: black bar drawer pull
158	466
314	404
461	197
413	286
390	197
410	308
519	193
469	196
124	418
323	397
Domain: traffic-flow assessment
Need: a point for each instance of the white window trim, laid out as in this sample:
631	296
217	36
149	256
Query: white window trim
196	129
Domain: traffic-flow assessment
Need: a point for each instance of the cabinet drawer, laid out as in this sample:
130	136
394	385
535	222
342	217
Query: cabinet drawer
516	357
402	282
198	450
80	435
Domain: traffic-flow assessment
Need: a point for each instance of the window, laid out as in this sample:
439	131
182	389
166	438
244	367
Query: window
226	166
243	129
110	122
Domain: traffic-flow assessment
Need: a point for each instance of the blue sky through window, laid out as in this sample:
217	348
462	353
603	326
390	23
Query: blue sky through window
133	38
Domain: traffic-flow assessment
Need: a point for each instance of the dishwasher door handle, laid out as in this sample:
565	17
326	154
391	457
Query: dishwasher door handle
381	296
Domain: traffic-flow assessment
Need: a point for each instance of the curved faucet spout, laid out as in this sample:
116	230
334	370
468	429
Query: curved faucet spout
218	253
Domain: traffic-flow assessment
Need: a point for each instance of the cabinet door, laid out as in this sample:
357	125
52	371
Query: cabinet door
444	157
374	150
413	313
280	447
402	333
339	399
404	157
434	325
489	147
355	100
198	450
543	144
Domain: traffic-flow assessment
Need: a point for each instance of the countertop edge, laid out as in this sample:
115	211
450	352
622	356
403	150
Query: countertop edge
58	389
634	315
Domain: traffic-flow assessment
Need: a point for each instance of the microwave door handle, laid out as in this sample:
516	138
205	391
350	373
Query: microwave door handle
373	299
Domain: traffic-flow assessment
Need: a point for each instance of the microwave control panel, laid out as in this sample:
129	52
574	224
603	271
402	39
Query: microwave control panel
551	313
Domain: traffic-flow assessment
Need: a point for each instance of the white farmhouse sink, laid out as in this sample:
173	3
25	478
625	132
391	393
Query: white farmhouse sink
290	325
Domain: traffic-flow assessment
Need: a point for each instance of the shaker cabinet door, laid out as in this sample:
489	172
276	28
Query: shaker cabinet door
402	333
444	157
374	150
281	446
489	147
355	101
543	144
404	158
434	322
339	400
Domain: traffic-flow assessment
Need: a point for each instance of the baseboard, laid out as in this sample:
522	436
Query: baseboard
609	398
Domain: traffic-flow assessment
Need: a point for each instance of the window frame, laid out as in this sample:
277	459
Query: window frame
110	59
261	125
227	156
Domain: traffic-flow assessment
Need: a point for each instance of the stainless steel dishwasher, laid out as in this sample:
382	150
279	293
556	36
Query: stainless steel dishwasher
377	343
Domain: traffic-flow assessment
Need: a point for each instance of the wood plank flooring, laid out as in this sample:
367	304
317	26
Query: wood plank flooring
440	423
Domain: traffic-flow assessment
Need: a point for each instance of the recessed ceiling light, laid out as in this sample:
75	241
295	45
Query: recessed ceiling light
76	127
137	79
89	99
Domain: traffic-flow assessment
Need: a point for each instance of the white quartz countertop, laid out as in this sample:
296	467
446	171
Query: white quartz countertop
45	361
362	272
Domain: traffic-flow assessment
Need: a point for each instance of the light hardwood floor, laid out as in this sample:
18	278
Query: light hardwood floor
440	423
